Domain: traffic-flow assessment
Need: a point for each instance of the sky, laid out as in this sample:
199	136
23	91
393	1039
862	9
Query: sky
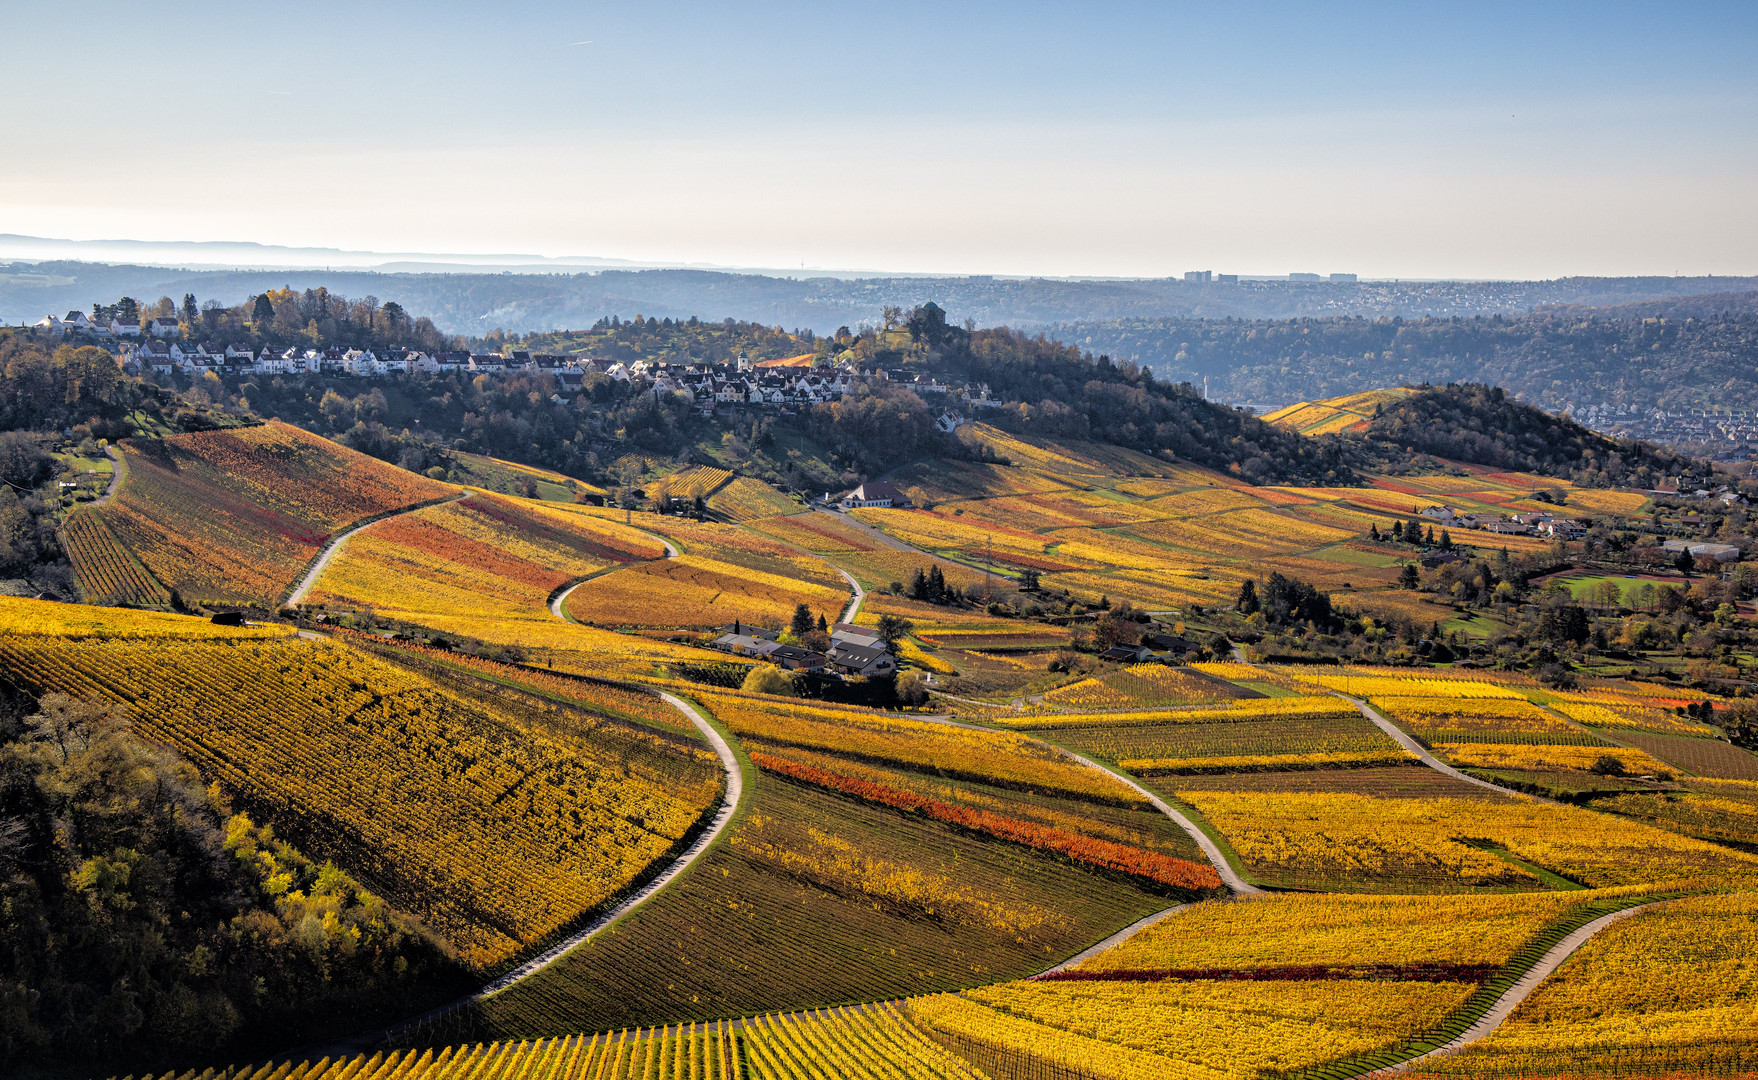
1411	139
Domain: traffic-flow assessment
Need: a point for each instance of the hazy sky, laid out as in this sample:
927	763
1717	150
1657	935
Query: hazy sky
1401	139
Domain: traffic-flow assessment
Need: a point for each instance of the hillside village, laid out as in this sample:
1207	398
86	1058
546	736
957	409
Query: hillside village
157	348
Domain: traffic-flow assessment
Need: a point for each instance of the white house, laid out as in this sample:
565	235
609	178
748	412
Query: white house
164	328
124	328
875	493
52	324
156	355
76	320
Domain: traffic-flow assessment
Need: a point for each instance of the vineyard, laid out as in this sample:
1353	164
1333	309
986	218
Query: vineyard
699	593
494	834
1140	686
820	899
872	1043
997	758
482	556
745	499
507	790
690	482
1200	1029
1340	931
78	624
234	515
602	698
108	572
1226	746
1333	840
1668	991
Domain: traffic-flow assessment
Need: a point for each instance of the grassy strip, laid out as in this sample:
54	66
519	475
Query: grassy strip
1479	1003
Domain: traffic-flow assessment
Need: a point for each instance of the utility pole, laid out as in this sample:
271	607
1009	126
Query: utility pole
988	568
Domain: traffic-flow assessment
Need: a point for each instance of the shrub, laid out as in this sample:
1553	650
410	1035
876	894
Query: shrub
767	680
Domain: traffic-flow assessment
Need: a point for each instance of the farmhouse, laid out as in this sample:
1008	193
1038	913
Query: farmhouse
853	659
876	493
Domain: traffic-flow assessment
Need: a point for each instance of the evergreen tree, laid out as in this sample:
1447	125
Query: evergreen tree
802	622
1247	603
936	585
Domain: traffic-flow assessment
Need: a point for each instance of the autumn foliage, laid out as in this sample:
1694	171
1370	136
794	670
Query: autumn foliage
1179	874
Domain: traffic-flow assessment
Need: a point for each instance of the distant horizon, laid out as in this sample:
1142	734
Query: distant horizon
1121	139
126	251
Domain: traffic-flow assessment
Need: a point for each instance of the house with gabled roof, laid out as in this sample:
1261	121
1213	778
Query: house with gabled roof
876	493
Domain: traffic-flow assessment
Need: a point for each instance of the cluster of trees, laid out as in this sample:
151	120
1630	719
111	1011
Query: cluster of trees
1484	425
929	587
281	318
1551	357
1286	601
140	921
1538	624
674	341
44	388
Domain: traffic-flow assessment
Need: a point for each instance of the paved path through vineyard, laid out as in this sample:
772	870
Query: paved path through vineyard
1410	744
561	597
1514	995
336	542
729	805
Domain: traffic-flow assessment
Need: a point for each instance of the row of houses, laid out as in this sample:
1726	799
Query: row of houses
1530	524
854	650
79	322
702	385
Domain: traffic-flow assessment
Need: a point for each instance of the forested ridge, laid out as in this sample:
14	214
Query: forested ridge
1550	358
1484	425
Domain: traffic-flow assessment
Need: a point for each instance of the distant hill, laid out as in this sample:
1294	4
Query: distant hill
1720	305
1402	428
471	301
1677	353
1351	412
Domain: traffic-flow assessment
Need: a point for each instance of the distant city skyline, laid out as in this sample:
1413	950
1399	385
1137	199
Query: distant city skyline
1498	141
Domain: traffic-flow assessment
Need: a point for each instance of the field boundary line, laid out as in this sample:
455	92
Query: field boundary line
1114	940
1511	998
315	568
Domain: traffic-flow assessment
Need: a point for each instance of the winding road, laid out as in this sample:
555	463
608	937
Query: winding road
1429	759
1519	992
336	542
561	597
729	805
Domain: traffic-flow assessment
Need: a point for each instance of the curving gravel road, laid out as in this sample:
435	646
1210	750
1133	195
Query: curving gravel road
335	545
